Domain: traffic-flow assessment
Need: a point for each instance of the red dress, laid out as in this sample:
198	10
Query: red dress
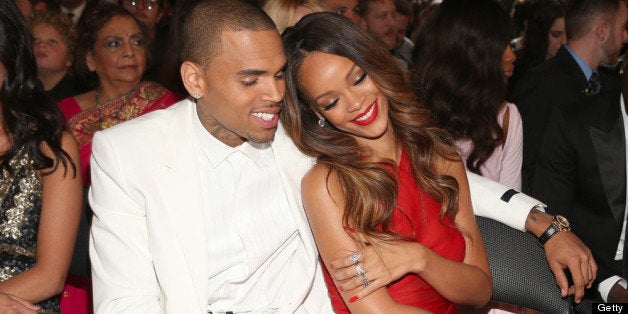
417	217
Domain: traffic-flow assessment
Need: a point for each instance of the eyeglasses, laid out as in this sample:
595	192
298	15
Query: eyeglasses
148	4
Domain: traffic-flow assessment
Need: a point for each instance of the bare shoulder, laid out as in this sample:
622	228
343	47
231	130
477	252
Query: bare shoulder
451	167
320	188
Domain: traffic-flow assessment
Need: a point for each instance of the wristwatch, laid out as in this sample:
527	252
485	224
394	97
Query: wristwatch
560	223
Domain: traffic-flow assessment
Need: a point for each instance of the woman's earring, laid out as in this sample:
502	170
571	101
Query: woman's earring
197	96
321	122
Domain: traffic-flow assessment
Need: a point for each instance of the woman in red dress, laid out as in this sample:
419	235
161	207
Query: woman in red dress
387	184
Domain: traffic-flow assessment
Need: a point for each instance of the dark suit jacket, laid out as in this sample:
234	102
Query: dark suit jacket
581	173
557	81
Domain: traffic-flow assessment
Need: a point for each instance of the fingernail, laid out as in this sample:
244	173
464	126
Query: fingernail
353	299
347	228
340	288
563	292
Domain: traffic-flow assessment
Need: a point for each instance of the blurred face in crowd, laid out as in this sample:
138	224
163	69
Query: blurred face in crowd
556	37
147	11
25	7
508	61
119	54
300	12
51	49
379	22
402	22
242	87
348	8
618	35
345	95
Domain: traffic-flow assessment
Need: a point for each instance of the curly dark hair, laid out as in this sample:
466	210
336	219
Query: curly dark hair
458	72
29	117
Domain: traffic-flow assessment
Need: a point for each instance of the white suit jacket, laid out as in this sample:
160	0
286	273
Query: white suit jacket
148	246
148	241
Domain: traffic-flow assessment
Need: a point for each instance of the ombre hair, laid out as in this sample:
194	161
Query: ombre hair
369	184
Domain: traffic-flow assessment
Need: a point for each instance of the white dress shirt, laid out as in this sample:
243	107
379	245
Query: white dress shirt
251	233
605	286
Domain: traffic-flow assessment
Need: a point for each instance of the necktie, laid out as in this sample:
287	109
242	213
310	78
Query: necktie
594	84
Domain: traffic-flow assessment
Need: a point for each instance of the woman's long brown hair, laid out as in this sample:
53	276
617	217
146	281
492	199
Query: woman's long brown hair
369	186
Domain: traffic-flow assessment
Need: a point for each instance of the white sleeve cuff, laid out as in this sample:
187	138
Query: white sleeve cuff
605	286
486	197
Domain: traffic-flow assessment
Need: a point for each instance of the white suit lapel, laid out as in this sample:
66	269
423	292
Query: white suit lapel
179	186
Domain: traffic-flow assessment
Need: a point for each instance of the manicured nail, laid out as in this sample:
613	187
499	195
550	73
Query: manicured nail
347	228
340	288
353	299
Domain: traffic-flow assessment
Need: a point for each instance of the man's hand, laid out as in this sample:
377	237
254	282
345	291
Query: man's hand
566	251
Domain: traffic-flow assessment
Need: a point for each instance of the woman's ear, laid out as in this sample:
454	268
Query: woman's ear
89	61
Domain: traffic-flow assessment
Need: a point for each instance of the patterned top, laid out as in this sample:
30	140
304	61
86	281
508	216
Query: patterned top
147	97
20	207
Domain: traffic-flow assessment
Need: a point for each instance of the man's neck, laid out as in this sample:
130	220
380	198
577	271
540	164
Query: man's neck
583	48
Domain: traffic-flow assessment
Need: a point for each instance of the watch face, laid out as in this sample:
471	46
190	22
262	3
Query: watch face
562	221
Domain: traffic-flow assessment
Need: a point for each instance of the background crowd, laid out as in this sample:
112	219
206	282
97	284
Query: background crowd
531	92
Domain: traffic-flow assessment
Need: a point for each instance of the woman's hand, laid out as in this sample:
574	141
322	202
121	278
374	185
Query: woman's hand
384	262
12	304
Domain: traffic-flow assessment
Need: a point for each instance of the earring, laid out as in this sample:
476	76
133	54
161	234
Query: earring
197	96
321	122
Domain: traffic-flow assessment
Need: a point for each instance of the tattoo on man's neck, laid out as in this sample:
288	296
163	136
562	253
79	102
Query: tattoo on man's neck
217	130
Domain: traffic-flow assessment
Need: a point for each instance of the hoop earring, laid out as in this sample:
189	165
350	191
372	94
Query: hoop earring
321	122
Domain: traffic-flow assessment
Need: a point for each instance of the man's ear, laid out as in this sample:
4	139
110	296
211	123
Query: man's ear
193	78
602	29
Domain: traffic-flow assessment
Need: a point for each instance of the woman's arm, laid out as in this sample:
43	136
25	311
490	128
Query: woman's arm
469	282
462	283
323	200
58	224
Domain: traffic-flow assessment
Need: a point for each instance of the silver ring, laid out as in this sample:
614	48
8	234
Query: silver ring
354	257
358	270
365	281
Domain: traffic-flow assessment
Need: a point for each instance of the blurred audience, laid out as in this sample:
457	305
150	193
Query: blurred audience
54	44
151	12
404	46
286	13
76	9
460	72
596	32
545	34
378	19
348	8
40	189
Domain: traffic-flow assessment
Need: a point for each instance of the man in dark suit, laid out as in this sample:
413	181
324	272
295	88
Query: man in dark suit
595	34
581	173
76	9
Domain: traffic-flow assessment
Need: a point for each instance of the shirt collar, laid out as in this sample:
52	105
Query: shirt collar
217	151
583	65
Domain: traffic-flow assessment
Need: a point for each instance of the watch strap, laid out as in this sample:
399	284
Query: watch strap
551	231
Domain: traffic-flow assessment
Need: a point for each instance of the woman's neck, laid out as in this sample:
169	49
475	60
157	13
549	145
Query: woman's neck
387	146
50	79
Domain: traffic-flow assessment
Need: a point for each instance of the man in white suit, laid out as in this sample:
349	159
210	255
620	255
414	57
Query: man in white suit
198	207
